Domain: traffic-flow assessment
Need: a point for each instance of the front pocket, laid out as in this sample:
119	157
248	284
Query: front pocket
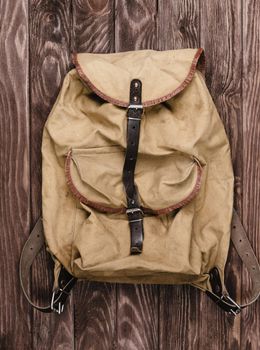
94	175
164	182
167	182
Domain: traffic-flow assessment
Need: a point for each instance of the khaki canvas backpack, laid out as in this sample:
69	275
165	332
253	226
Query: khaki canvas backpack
137	178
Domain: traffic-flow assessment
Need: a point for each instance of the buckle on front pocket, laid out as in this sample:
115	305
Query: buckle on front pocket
134	210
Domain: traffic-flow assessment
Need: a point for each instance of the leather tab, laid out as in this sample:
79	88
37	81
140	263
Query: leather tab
135	217
135	92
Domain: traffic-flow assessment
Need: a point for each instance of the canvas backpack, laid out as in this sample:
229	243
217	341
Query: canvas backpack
137	179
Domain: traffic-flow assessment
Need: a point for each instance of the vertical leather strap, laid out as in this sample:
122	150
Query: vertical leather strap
134	212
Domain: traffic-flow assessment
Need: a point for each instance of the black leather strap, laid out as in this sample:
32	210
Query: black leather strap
134	212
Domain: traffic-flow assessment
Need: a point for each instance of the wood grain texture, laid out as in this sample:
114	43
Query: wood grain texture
221	37
178	24
137	317
93	25
135	25
15	315
95	316
179	317
95	303
250	324
49	61
102	315
179	27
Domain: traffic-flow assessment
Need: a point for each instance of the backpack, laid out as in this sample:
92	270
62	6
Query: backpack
137	179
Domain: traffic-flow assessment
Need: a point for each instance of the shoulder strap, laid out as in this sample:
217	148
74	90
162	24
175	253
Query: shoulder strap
65	280
249	259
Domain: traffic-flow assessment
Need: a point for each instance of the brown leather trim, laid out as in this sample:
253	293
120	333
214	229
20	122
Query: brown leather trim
198	62
120	210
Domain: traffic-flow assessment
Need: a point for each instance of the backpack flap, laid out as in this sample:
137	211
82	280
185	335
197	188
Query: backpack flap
163	73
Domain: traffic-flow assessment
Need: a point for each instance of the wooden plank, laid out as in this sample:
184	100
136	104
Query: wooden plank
178	24
250	323
95	316
95	303
135	25
15	332
93	26
179	312
49	61
137	318
179	27
221	37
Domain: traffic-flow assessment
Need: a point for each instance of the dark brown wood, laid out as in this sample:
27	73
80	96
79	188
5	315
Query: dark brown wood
250	323
135	25
178	24
95	316
102	315
222	21
15	314
49	61
93	25
180	315
137	317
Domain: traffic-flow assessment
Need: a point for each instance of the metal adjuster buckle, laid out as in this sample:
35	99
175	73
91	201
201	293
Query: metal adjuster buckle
238	307
57	307
135	106
134	210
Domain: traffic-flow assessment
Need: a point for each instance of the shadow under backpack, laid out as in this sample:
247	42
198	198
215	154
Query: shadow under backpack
137	179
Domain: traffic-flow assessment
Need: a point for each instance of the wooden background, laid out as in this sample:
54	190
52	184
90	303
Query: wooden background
36	39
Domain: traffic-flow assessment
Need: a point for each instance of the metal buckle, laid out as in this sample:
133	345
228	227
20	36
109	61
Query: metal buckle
135	106
60	306
134	210
234	312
